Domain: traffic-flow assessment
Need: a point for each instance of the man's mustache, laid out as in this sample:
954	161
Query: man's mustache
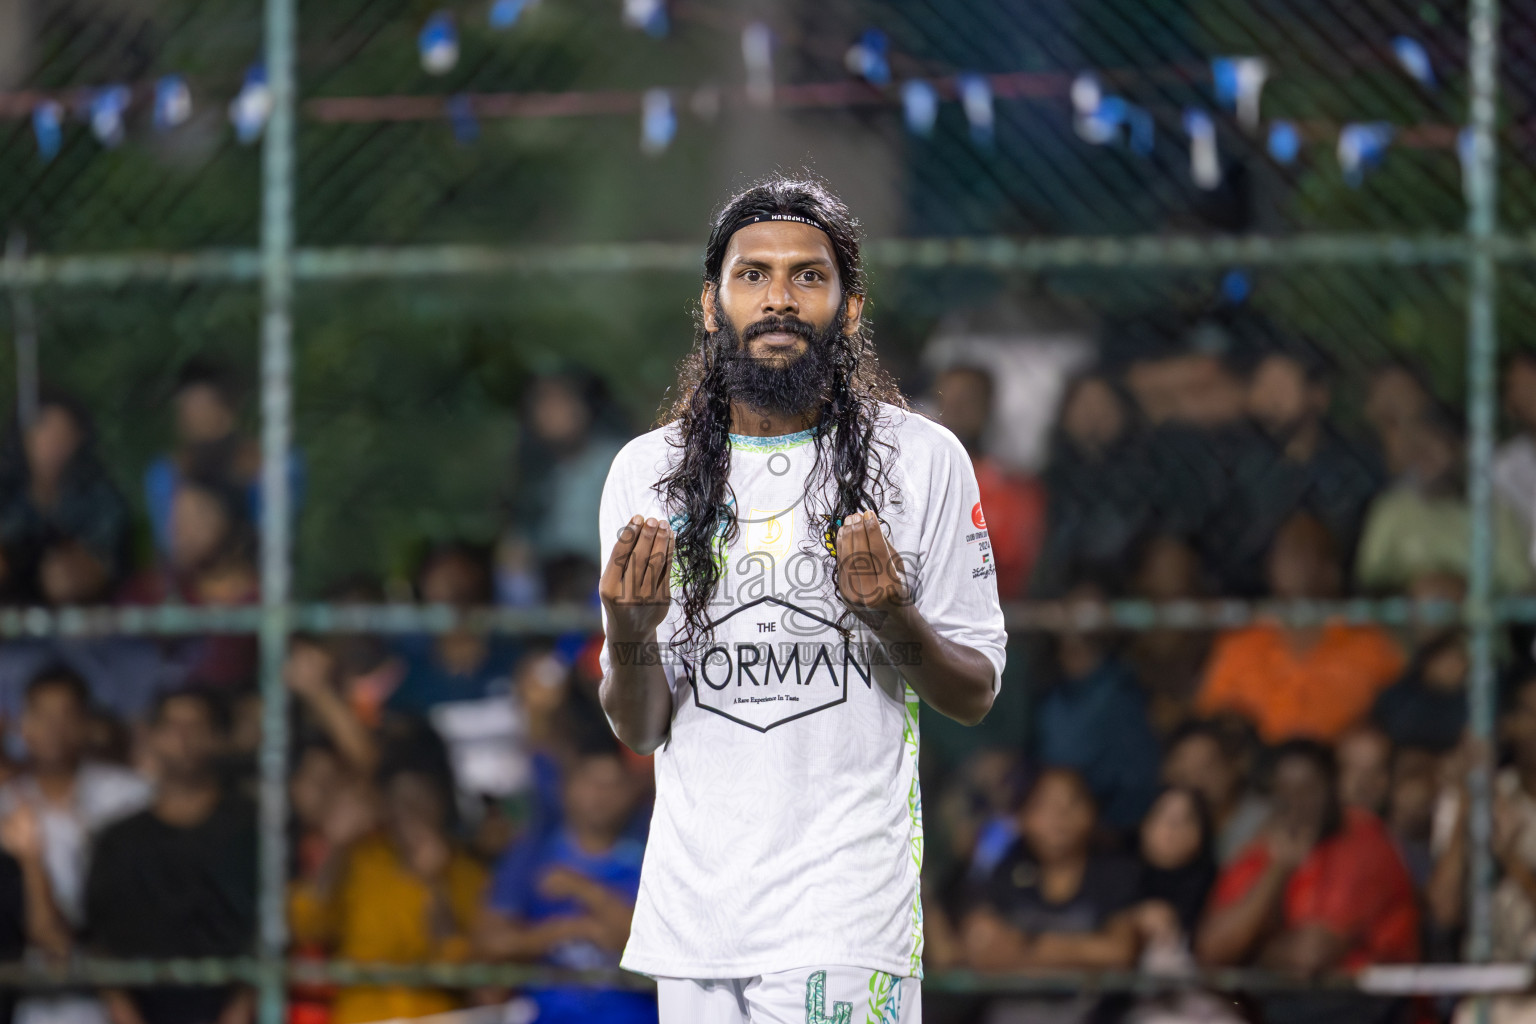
779	325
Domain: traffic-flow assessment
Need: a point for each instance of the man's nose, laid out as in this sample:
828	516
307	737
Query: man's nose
780	298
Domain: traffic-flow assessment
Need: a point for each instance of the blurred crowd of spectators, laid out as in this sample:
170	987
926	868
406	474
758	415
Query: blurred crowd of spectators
1273	796
1287	797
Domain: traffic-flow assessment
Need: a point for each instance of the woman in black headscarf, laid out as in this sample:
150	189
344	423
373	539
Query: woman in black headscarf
1178	867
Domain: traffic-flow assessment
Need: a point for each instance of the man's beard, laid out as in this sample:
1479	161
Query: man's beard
793	388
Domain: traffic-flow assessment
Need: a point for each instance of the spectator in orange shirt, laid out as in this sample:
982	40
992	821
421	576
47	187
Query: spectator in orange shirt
1322	889
1313	681
1014	503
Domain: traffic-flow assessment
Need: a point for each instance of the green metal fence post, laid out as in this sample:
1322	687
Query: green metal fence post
1482	352
276	430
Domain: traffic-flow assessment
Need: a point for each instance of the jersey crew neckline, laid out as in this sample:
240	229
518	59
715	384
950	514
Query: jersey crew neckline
776	443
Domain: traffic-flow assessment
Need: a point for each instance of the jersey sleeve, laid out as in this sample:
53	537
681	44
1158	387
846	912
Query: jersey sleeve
954	579
627	492
616	507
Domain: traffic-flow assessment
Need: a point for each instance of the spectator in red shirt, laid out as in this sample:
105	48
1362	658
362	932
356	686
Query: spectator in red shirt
1014	504
1322	889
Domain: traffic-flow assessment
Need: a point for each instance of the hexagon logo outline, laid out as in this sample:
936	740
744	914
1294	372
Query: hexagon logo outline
693	682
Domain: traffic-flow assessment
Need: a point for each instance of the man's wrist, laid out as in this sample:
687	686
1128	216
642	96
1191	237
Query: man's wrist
898	621
625	649
620	635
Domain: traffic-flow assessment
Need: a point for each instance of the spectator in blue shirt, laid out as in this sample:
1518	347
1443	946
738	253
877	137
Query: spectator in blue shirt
1094	721
460	665
565	897
210	446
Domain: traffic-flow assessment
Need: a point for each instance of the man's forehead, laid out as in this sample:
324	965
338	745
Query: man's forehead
774	241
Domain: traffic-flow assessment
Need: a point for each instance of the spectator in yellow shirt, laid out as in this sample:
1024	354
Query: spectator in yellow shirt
402	892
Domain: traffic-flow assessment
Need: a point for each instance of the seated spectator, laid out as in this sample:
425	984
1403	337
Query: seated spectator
209	529
1411	809
1364	755
1427	706
1513	905
327	800
1423	525
1302	463
1322	889
565	898
1214	759
1514	840
973	826
406	893
1169	662
464	682
361	665
459	665
1096	482
179	878
980	809
209	446
1094	720
1191	384
1296	681
1053	903
1178	867
311	675
1199	447
59	509
1395	399
69	801
1514	464
123	674
1014	503
571	432
211	562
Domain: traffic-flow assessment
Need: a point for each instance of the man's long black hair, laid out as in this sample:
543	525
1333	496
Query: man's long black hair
850	463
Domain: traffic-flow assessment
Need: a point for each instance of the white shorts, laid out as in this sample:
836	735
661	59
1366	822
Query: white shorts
831	995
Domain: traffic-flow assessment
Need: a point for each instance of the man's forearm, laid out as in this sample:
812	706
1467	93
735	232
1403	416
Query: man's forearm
1229	935
635	694
955	680
45	925
1112	948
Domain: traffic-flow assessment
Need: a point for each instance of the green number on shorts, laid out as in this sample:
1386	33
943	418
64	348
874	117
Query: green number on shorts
816	1003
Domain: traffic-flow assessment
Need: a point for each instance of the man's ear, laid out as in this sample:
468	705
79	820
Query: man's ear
707	301
853	310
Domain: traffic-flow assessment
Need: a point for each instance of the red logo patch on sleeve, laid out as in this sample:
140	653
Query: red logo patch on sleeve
977	518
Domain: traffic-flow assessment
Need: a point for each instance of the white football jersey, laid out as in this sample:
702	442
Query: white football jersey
788	828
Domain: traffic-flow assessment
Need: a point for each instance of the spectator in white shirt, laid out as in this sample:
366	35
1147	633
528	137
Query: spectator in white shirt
71	800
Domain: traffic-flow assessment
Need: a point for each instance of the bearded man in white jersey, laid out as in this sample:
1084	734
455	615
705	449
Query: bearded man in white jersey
797	562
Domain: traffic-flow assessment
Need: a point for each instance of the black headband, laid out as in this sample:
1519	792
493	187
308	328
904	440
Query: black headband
758	218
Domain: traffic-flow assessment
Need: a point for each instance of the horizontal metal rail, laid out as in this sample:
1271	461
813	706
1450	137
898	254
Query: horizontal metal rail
1039	616
1396	979
240	265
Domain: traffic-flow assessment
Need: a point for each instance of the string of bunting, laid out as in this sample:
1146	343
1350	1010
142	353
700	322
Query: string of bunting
1099	117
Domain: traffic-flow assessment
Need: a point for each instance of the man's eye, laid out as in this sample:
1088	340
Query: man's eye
810	276
752	275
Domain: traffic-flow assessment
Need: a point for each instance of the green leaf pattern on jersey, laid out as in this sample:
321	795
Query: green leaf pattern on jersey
816	1003
915	828
884	999
721	554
